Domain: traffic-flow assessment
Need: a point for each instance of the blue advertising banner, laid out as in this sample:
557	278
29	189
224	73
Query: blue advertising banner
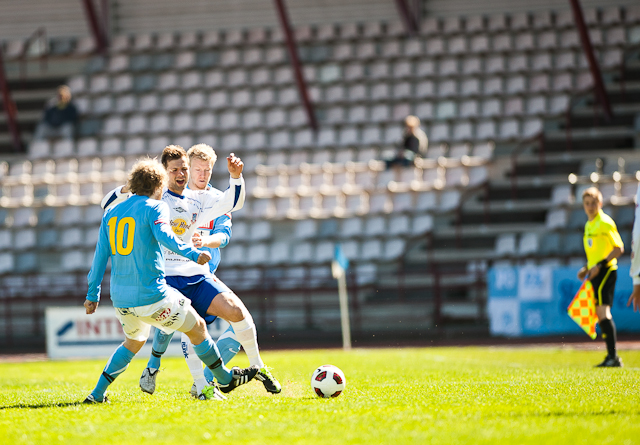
533	301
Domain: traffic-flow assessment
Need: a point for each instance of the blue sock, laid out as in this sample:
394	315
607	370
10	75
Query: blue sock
160	343
208	374
208	353
228	345
116	365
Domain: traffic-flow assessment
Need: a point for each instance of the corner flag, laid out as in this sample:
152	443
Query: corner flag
340	262
339	267
582	309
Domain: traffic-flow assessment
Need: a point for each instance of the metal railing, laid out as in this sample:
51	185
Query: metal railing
39	35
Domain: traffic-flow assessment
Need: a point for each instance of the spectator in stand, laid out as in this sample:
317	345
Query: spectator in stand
59	118
414	143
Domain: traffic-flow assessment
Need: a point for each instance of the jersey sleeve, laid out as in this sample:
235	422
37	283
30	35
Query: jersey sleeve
614	236
114	197
635	244
215	204
99	264
159	221
222	226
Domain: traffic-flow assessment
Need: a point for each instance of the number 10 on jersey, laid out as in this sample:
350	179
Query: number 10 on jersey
117	231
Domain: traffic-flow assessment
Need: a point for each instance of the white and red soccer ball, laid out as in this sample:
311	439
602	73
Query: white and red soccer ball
328	381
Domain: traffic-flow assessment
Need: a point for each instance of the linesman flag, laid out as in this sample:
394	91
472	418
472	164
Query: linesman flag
582	309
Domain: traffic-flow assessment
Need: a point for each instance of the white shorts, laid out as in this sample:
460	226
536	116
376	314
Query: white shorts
168	315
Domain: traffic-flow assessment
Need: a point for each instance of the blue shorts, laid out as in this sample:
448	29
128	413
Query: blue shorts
201	290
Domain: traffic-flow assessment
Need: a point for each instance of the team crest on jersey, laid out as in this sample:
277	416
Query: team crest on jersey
590	242
179	226
194	216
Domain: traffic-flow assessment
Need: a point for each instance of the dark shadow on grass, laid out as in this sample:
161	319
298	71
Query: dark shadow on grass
42	405
567	414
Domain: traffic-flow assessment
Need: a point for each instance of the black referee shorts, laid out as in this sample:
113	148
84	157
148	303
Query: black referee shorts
603	286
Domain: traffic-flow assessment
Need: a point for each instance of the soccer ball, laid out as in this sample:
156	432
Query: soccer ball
328	381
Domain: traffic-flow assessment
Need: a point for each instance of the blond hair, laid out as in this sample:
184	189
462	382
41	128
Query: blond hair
592	192
204	152
412	121
171	153
146	176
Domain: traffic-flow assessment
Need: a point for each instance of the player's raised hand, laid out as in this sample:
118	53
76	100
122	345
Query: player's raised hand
204	258
90	306
196	240
235	166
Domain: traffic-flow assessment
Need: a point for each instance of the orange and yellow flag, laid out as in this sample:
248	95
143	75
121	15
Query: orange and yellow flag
582	309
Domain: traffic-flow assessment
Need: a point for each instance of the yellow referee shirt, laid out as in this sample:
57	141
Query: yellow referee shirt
600	237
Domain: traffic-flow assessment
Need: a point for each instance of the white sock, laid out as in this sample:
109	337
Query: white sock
246	333
194	363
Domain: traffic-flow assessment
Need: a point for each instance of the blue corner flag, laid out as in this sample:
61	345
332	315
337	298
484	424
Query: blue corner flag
340	262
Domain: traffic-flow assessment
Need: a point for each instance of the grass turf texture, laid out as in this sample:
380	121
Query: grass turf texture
404	396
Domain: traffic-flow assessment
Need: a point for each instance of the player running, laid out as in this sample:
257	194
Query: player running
603	245
131	234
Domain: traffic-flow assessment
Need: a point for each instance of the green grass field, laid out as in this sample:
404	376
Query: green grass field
393	396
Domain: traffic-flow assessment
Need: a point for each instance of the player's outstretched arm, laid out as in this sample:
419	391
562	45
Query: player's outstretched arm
98	266
212	241
115	197
164	235
222	229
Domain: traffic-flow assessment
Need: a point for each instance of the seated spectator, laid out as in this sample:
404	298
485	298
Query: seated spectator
59	117
414	143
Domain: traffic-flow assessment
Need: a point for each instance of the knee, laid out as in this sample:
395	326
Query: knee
236	309
200	324
603	312
133	345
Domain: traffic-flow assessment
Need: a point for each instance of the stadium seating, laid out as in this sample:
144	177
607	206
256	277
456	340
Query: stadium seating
479	84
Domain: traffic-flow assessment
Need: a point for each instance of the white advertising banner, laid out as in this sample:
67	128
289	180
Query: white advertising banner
73	333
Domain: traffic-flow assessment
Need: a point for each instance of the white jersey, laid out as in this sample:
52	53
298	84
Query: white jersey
635	243
189	211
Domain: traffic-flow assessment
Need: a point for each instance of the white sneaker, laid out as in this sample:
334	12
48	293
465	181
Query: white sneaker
148	380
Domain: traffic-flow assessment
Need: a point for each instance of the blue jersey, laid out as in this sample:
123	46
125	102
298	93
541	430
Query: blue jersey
131	234
221	225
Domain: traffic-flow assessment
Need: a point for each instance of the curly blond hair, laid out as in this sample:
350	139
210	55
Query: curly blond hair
146	176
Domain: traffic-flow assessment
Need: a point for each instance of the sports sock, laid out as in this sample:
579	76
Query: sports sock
194	363
116	365
608	329
208	353
228	345
160	343
208	375
246	333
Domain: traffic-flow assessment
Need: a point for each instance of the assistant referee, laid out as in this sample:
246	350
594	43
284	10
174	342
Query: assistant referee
603	245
